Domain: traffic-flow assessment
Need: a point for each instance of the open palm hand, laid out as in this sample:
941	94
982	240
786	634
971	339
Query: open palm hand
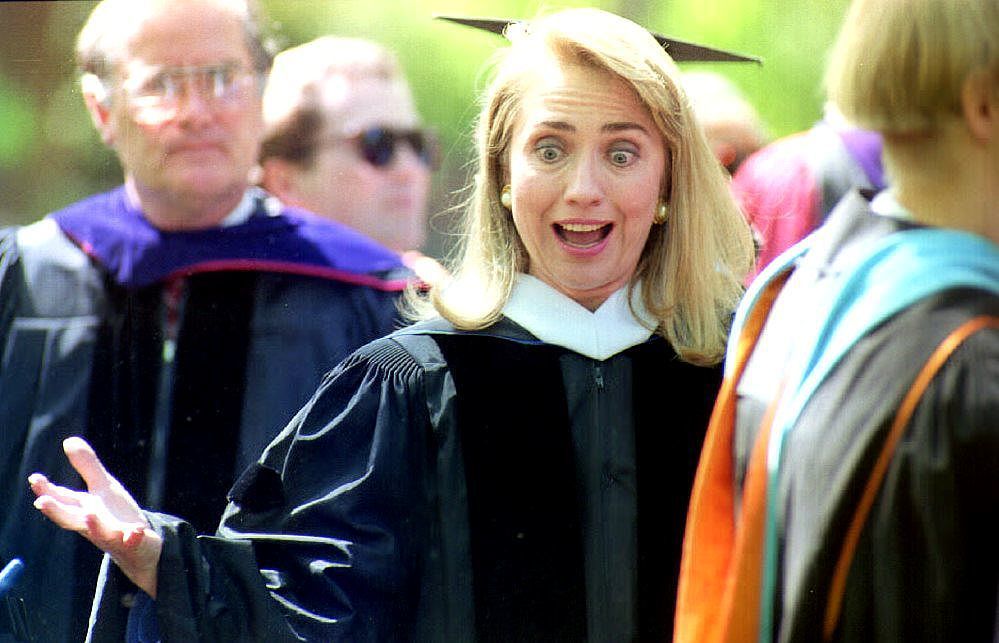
105	514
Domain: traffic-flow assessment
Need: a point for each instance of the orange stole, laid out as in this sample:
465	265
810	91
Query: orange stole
721	571
718	597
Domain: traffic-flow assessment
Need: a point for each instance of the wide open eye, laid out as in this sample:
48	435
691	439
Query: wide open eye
548	150
622	157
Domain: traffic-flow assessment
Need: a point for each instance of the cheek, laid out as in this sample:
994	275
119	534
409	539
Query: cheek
640	198
639	205
311	184
421	179
334	173
245	127
533	194
531	201
139	145
365	179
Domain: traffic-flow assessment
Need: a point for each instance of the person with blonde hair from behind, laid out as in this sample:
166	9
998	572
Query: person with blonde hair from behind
517	465
848	488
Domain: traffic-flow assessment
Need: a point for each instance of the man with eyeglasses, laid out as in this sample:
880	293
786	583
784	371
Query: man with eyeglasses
343	139
185	308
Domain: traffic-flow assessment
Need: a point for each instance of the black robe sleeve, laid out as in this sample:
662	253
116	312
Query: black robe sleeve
308	547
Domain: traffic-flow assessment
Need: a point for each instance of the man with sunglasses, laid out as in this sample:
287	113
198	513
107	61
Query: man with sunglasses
343	139
179	320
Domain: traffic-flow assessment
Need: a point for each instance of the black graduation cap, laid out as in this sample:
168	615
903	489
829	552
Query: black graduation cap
679	50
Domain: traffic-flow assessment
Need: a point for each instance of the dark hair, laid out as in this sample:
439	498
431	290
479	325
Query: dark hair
294	139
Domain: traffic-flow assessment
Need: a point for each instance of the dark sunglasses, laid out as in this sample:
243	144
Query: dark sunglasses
377	145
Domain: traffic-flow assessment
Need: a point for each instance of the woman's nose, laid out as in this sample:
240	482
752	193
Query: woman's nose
584	183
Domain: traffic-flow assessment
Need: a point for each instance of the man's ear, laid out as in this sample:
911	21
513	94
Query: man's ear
725	152
277	176
97	98
980	105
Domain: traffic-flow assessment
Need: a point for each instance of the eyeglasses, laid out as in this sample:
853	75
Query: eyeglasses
156	92
377	145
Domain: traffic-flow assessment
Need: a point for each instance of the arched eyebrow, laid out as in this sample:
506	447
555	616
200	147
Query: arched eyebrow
561	126
623	126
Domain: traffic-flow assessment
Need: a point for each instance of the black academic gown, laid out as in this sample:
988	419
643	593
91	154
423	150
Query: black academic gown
926	566
177	355
454	486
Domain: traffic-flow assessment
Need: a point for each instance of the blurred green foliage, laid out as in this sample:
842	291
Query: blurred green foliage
16	122
50	156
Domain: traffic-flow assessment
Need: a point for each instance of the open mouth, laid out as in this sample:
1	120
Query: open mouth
582	235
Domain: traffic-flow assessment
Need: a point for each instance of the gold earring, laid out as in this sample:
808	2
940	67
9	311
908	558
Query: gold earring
506	199
661	213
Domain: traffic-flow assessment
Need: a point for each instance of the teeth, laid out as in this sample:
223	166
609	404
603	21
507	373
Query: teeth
581	227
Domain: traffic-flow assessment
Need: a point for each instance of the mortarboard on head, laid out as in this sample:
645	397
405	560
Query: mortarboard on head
679	50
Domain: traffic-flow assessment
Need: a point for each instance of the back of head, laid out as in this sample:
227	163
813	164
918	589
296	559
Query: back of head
304	85
898	65
691	269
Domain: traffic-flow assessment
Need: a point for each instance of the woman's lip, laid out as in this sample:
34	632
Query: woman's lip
590	237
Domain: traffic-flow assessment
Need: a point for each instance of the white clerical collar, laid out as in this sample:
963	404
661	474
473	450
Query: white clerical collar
556	319
886	204
240	214
244	210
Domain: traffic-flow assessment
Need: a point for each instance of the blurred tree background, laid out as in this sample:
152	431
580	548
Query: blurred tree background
51	156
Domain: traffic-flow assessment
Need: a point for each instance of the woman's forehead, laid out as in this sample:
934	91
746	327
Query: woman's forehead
580	92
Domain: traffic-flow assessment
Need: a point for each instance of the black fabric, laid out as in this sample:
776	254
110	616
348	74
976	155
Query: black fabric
258	489
211	366
123	384
926	565
668	446
122	396
208	396
435	497
524	522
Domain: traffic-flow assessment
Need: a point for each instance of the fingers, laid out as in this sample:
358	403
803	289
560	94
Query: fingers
66	517
112	536
105	514
87	464
42	486
115	539
132	538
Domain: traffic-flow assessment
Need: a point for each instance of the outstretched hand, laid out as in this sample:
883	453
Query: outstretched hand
105	514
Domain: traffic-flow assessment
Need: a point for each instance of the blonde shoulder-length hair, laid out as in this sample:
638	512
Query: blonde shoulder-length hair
898	66
691	269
